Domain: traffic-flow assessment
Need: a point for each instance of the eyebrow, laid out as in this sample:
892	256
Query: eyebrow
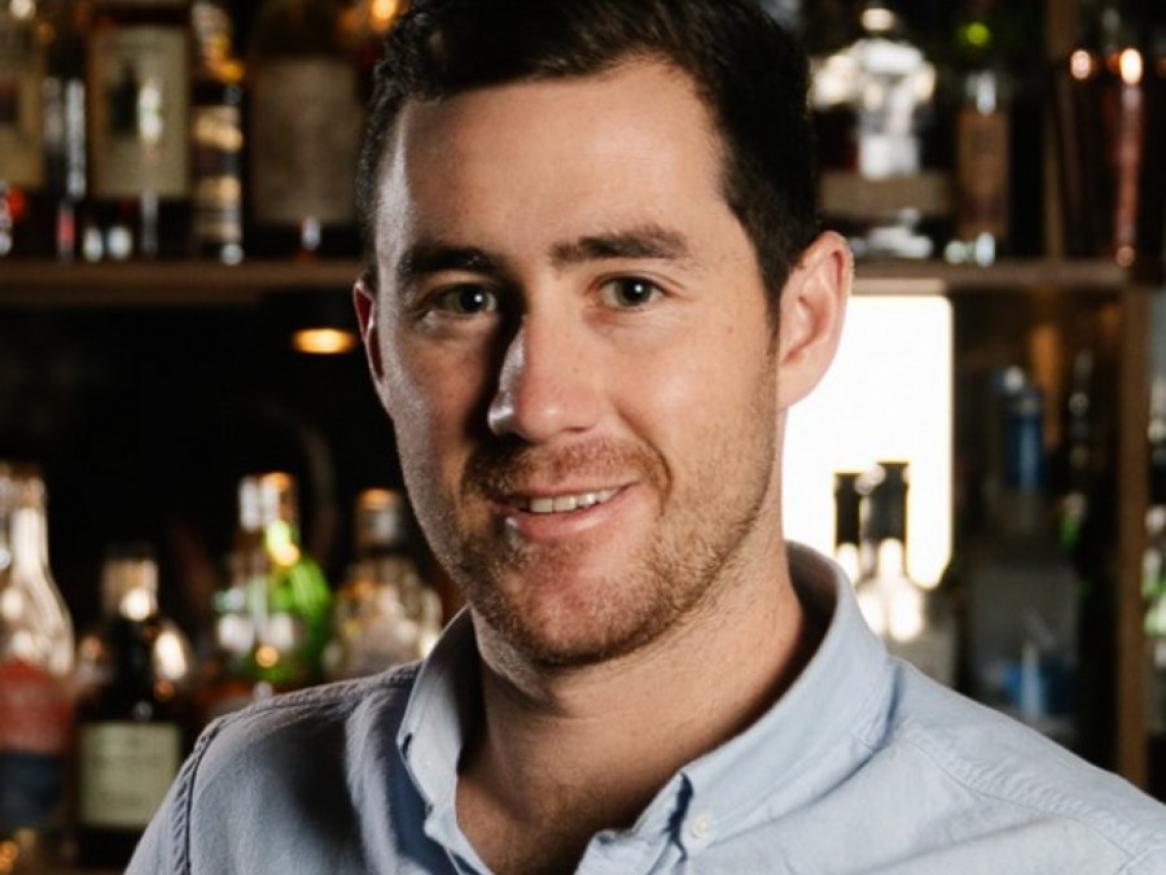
428	257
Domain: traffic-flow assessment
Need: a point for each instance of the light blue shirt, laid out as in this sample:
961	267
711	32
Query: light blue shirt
863	766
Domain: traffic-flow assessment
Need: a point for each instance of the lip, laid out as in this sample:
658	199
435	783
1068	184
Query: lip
552	527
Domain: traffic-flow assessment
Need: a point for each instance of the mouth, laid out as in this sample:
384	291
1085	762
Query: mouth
563	503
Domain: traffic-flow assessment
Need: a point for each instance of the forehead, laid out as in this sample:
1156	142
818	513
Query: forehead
534	161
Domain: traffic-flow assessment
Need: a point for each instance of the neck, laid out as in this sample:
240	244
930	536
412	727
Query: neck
602	740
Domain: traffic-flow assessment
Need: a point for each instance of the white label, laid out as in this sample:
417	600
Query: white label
21	71
125	771
139	84
305	139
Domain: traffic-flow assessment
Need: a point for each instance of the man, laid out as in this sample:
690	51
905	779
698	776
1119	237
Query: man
595	288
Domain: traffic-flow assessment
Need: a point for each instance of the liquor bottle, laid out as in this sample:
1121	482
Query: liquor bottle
384	614
22	170
1023	589
305	119
365	24
65	131
847	526
134	724
982	141
139	120
274	617
218	139
873	104
36	659
912	621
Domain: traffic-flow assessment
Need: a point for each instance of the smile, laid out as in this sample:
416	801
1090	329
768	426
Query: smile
564	503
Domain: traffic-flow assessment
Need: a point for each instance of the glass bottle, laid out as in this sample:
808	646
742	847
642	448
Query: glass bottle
22	169
134	721
218	139
384	614
304	122
873	102
274	616
139	125
36	659
365	24
847	526
906	616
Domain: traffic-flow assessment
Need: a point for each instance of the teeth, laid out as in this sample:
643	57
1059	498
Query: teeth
567	503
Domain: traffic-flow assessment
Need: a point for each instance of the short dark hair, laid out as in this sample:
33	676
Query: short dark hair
751	74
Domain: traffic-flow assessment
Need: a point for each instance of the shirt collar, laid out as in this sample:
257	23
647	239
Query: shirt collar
830	701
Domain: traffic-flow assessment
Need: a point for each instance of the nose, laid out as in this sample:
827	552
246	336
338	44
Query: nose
548	384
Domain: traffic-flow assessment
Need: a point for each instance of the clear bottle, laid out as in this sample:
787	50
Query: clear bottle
304	122
218	137
274	616
384	614
873	102
134	721
22	167
139	126
36	660
913	622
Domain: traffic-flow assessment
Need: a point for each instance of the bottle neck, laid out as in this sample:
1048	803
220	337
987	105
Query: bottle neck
29	543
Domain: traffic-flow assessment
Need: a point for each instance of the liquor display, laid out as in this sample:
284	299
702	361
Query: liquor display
135	721
305	119
912	620
273	618
139	117
36	659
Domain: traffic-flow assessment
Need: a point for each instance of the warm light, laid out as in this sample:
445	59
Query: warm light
137	604
1126	256
383	12
266	656
877	19
1081	64
323	341
171	657
1131	66
22	8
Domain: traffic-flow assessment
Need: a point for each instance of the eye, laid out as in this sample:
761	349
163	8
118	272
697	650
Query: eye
466	300
629	292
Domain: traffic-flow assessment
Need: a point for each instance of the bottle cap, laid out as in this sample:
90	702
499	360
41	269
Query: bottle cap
129	582
382	519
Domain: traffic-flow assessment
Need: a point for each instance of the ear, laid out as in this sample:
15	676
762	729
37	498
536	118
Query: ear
365	300
813	308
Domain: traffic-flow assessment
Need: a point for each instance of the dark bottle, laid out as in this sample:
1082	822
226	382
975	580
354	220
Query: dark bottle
304	123
847	524
217	136
139	119
134	721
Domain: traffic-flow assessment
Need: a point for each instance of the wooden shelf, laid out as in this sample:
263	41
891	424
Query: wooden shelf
207	284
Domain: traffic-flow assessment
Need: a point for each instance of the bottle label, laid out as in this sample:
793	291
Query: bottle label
305	127
124	771
21	71
982	161
34	737
139	83
218	163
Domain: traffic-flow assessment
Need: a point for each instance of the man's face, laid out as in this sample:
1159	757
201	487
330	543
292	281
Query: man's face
578	357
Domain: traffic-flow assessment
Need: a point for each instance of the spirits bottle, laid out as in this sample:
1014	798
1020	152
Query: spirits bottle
873	102
274	616
384	614
847	526
134	722
982	141
22	170
36	659
139	118
217	134
1023	589
305	119
914	624
65	136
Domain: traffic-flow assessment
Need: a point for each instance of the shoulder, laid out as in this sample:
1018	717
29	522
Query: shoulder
1017	779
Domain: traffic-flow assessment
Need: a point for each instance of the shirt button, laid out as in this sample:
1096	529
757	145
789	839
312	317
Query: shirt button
700	826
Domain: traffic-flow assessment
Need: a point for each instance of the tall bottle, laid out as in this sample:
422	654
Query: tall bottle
305	119
36	659
217	126
911	621
982	141
22	169
384	614
139	118
847	524
134	725
274	616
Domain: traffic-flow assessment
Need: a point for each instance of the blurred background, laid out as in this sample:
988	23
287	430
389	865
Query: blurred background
200	503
